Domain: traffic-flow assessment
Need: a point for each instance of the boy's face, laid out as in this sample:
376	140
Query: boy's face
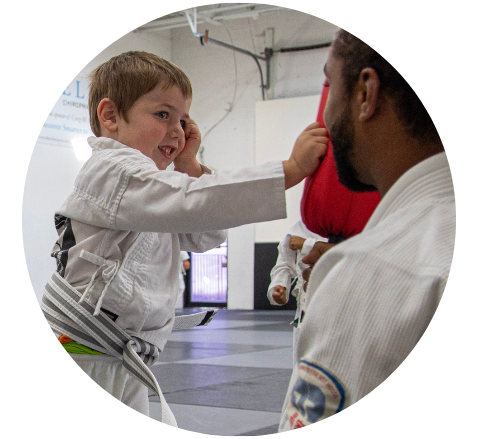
156	124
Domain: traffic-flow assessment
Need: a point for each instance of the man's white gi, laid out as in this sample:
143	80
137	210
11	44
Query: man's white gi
370	298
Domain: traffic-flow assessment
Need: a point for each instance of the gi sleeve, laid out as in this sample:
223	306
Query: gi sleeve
123	190
201	242
284	270
184	255
171	202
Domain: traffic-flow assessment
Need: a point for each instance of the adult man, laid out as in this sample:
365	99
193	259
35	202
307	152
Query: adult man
370	298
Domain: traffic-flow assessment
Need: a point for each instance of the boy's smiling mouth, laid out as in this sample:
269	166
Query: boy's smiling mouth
166	151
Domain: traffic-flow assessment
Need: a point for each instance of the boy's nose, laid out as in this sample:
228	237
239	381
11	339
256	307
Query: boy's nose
176	131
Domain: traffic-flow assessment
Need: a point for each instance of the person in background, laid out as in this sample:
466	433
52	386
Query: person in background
185	266
286	276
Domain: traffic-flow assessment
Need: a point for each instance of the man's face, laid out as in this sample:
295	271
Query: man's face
338	118
156	124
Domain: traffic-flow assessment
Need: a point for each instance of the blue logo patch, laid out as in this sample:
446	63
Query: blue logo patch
317	398
309	400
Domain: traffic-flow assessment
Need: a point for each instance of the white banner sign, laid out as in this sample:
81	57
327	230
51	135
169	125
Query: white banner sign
68	123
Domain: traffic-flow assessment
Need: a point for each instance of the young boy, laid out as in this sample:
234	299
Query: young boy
122	228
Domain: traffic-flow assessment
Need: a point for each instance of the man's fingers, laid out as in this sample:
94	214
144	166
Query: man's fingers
306	274
312	257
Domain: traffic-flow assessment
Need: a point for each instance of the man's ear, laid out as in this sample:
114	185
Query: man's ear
367	93
108	115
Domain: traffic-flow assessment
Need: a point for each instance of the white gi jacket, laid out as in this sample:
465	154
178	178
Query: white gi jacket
370	298
289	265
131	221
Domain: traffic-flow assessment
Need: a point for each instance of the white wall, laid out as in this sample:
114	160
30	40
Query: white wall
278	122
212	70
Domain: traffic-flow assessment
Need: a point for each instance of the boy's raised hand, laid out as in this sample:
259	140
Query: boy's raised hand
309	147
186	161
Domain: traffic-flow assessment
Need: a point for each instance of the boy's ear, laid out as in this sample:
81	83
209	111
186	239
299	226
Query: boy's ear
108	115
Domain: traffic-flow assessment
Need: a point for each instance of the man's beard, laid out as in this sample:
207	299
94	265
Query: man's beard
342	135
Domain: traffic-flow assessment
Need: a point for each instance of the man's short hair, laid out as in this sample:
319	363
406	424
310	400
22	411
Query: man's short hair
356	55
127	77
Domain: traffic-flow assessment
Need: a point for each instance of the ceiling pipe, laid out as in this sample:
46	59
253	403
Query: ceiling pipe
213	16
267	58
268	52
300	48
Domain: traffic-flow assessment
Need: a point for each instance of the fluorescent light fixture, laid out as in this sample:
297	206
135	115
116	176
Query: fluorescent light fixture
409	26
81	148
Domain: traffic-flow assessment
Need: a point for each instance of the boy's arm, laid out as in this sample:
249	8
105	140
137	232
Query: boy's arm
201	242
172	202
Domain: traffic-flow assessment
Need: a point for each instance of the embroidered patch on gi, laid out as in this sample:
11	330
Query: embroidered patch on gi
316	395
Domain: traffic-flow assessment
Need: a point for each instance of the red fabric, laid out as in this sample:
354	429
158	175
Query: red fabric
64	339
327	206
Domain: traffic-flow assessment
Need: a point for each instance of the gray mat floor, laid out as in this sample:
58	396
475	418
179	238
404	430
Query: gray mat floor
230	377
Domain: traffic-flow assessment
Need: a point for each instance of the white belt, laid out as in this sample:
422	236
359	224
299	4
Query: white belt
71	314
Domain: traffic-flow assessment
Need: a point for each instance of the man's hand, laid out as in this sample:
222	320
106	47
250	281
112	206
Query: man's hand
315	254
309	147
186	161
279	295
296	242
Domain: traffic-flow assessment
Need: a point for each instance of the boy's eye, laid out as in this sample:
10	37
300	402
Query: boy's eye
162	114
183	124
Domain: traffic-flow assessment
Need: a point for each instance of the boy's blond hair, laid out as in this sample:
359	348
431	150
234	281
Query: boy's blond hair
127	77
